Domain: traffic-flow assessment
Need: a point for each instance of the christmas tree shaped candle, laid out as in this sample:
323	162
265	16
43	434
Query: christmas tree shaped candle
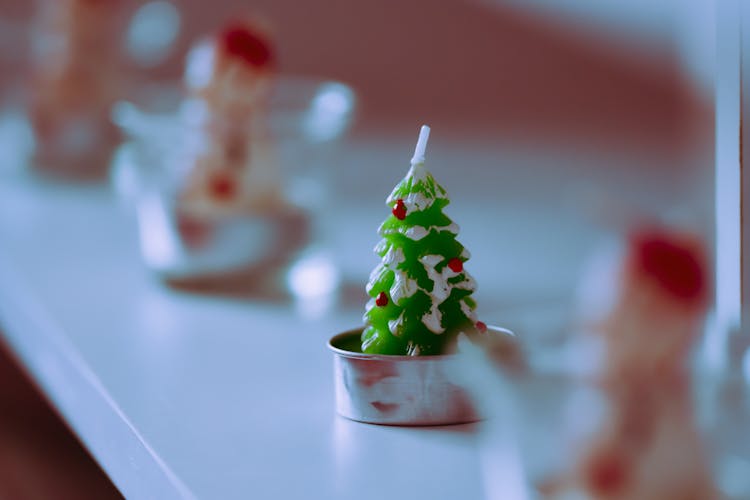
420	293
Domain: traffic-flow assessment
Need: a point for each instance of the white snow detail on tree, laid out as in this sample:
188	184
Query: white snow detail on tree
468	311
375	275
370	304
431	260
433	319
416	233
411	349
403	287
395	325
441	289
452	228
380	247
393	257
417	202
418	179
468	283
465	254
420	174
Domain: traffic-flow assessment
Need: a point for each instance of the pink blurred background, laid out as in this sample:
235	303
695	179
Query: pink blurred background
627	84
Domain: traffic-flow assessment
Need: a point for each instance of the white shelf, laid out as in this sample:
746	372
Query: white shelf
180	395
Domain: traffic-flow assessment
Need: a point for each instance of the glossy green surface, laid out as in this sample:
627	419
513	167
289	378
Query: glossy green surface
399	327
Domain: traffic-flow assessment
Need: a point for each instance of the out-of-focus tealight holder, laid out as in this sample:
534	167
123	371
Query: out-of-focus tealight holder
405	390
536	417
54	108
306	119
542	420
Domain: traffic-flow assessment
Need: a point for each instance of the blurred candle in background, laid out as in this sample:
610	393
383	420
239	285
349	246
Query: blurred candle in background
75	77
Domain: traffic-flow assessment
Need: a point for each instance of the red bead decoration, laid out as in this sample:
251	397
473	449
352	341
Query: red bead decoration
222	187
238	41
607	475
679	269
456	265
481	326
399	211
382	300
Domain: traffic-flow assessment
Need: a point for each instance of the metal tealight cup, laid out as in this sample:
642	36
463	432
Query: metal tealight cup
401	390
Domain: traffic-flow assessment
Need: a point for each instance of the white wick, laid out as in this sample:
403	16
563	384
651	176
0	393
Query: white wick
424	134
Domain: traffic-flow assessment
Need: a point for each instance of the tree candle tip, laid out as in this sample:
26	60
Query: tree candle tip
424	135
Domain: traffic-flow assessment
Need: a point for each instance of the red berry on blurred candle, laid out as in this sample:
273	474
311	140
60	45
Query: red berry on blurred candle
679	269
399	211
222	187
481	326
240	42
607	476
382	300
456	265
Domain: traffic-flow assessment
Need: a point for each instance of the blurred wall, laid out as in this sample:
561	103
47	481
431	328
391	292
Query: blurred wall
687	26
488	64
463	62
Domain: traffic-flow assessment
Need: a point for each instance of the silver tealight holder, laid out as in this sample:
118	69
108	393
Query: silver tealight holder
406	390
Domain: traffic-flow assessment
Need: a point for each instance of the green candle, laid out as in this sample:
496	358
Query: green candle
420	292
